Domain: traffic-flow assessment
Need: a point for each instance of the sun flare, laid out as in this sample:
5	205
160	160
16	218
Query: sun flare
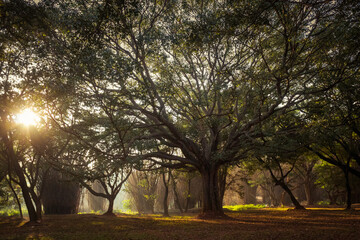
27	118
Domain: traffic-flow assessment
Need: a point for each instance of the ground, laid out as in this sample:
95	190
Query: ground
248	224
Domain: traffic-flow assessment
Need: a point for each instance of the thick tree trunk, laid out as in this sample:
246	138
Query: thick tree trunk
38	209
110	209
308	192
212	205
222	174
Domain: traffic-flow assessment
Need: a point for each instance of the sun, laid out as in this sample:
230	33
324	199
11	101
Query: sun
27	118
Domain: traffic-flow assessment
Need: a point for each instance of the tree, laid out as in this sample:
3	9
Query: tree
329	178
100	158
166	183
335	129
60	194
333	116
304	170
142	190
204	94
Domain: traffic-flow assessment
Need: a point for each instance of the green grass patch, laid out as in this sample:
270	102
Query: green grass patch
243	207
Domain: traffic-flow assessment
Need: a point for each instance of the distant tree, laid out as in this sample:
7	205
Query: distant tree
141	188
331	179
304	170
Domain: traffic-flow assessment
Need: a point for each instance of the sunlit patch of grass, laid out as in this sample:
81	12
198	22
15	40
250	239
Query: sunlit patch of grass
170	218
244	207
92	212
277	208
128	212
325	209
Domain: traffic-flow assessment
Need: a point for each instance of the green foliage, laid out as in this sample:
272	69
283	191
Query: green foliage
323	203
127	204
331	179
9	212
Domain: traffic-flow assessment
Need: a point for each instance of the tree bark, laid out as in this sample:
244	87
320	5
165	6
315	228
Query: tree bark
110	209
222	174
292	197
212	206
38	209
348	189
33	216
16	197
177	200
188	195
14	163
166	194
37	201
308	192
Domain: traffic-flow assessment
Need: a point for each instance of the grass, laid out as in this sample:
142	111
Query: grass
244	207
260	223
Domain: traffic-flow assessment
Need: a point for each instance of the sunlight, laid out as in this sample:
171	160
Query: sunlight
27	118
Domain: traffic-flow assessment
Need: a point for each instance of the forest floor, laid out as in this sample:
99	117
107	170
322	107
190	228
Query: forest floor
248	224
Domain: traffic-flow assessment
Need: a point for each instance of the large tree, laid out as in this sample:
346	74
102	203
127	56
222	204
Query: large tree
201	77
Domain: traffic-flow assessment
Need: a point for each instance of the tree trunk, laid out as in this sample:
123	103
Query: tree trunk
177	200
166	194
188	195
110	210
348	189
37	201
332	198
222	174
292	197
212	206
27	198
38	209
16	197
308	192
283	198
22	181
